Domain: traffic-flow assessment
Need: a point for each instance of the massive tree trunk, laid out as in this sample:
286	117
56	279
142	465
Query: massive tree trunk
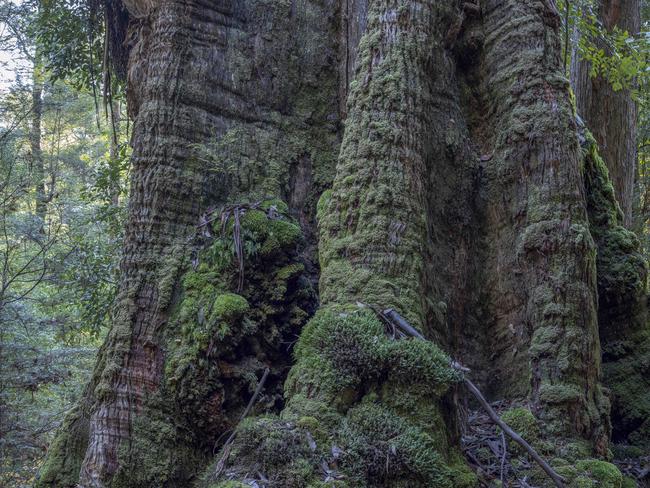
611	115
458	199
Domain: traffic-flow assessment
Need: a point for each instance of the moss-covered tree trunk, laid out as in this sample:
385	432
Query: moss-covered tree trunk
441	141
611	116
163	212
231	102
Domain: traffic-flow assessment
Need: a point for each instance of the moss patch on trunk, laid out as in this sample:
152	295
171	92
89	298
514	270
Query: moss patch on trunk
623	314
218	342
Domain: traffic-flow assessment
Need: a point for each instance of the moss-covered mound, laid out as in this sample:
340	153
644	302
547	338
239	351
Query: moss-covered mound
362	410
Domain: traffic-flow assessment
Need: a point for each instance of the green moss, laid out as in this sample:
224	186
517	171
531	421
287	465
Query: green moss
157	452
339	350
270	235
622	290
628	483
606	474
323	203
420	362
461	474
275	205
274	448
229	306
336	351
559	393
66	453
374	437
522	421
577	450
301	406
335	404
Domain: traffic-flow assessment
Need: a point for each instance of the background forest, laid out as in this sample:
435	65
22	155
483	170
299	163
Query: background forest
64	174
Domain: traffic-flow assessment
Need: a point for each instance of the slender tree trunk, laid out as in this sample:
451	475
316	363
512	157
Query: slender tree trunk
114	148
38	167
611	115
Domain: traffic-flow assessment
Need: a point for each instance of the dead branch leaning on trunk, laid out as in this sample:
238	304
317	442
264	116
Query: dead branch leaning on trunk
391	316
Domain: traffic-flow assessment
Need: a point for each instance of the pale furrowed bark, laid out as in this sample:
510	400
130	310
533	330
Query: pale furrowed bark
162	212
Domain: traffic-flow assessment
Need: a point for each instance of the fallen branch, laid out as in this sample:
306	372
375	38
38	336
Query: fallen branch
557	479
400	322
226	447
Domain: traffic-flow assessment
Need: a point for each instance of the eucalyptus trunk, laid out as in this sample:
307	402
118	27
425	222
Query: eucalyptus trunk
421	156
611	115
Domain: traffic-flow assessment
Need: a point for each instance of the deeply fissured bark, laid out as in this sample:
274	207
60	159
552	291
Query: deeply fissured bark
457	198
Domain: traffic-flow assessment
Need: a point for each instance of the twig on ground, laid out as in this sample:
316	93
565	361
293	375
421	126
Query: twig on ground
503	457
557	479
